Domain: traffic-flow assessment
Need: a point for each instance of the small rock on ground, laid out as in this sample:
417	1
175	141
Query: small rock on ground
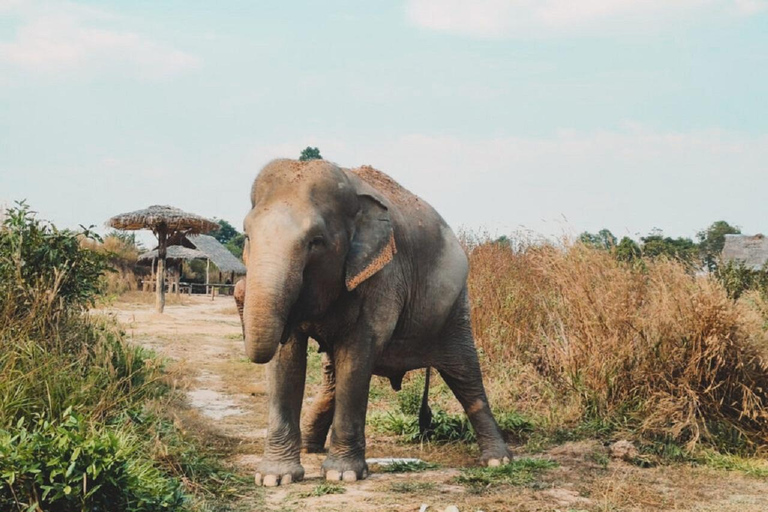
624	450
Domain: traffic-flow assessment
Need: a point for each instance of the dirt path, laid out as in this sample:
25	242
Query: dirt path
227	397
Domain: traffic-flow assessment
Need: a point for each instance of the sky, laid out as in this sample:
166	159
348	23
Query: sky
542	116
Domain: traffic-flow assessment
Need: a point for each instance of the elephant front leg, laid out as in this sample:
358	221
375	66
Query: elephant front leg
286	374
317	421
346	457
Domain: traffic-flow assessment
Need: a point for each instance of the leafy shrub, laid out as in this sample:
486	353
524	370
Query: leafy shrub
71	466
75	433
737	279
43	267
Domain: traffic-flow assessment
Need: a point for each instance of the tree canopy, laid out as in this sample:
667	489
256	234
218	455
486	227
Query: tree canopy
712	240
705	253
310	153
225	232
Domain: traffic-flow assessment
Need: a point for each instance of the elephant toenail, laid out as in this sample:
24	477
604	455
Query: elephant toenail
492	463
287	478
332	474
349	476
271	481
257	479
505	460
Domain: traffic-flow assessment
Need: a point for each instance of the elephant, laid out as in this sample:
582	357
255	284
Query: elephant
239	294
375	275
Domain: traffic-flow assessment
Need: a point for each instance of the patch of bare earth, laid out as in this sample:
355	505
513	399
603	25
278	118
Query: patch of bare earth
226	401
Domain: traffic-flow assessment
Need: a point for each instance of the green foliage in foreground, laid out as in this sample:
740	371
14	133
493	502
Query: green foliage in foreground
518	472
76	433
70	465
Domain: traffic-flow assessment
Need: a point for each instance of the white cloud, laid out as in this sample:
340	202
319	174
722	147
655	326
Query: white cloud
67	37
541	18
629	180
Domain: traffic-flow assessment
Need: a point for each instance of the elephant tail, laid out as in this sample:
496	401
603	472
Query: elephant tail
425	413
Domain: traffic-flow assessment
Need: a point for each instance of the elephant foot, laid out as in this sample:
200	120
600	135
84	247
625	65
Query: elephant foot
272	474
348	470
498	457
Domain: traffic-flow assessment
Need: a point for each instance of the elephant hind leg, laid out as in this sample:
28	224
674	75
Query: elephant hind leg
460	369
318	419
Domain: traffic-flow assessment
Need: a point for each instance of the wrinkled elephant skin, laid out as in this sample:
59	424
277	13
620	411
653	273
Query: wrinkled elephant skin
376	276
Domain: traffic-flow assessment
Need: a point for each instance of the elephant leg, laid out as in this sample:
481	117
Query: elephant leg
353	368
317	421
240	301
460	369
286	374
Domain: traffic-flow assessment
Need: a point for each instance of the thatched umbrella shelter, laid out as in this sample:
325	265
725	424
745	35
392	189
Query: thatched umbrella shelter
165	222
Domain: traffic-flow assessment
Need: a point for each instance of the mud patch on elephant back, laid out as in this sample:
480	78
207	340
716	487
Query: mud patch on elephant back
391	189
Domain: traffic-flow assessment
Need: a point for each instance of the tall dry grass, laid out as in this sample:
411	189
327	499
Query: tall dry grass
570	334
122	253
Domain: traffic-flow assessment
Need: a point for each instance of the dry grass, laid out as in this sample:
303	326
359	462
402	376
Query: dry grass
122	255
140	297
570	334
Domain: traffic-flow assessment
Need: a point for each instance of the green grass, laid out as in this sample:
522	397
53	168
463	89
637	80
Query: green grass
411	487
518	472
753	467
447	427
400	466
323	489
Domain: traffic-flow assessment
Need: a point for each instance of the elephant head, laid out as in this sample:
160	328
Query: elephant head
314	232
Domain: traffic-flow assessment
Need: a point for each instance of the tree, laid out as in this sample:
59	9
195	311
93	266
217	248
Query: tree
655	244
604	239
627	250
310	153
225	232
236	244
712	240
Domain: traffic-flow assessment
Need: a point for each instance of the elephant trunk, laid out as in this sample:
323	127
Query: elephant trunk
272	287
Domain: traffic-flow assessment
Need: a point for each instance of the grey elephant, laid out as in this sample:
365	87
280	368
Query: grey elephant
239	294
378	279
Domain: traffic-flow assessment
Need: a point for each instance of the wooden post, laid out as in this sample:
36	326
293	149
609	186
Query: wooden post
207	270
161	252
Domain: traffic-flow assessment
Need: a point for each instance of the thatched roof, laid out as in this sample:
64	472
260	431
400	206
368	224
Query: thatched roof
752	251
218	254
175	252
156	216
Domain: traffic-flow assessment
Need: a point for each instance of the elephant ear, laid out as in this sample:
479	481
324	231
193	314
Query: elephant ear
373	243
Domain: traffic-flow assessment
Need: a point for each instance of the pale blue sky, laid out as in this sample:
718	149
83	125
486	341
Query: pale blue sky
552	115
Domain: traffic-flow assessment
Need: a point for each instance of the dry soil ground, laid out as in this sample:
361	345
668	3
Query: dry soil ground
226	398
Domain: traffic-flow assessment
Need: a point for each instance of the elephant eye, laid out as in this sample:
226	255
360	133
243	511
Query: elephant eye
317	242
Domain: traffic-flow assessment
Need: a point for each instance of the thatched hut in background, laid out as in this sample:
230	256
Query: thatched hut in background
166	222
751	251
175	256
226	267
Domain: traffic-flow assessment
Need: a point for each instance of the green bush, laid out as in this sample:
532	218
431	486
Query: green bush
76	432
737	278
43	267
69	465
